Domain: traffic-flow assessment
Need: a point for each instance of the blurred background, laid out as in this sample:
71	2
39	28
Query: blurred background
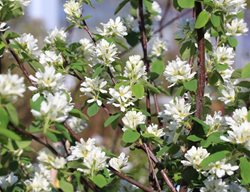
44	15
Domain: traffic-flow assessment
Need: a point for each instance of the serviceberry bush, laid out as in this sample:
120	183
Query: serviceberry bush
184	145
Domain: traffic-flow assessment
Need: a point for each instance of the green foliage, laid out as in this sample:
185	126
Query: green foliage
202	19
244	170
93	109
130	136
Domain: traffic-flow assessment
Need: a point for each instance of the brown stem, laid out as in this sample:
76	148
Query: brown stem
201	64
152	169
72	133
144	42
39	140
130	180
86	28
19	62
163	171
166	10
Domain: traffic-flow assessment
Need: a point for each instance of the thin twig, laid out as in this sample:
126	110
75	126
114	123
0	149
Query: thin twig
130	180
19	62
152	170
72	133
201	64
166	10
163	171
144	44
86	28
39	140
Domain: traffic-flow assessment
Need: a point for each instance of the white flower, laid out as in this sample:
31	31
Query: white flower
214	185
81	149
106	52
226	74
87	46
3	26
8	180
58	163
118	163
239	135
76	124
239	116
28	42
154	130
215	122
231	6
47	79
38	184
131	23
55	35
157	9
178	70
24	3
220	168
194	157
135	69
158	47
92	88
234	187
113	28
51	58
224	55
94	161
73	10
177	109
55	107
236	27
122	97
132	119
11	87
48	158
228	93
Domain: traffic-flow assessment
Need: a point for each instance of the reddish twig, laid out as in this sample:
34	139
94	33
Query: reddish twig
130	180
39	140
201	64
144	42
19	62
152	169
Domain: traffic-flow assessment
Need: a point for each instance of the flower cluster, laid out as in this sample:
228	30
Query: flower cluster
122	97
11	87
178	71
73	10
135	69
8	180
94	158
93	88
113	28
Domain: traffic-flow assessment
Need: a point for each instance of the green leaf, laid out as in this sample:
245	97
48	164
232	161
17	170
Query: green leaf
202	19
190	85
212	139
100	180
12	114
138	90
4	118
245	170
66	186
214	157
120	6
130	136
186	3
77	113
158	67
232	41
215	19
111	119
245	73
36	105
10	134
93	109
194	138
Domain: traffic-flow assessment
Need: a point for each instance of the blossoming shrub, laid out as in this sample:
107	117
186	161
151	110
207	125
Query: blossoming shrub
188	146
